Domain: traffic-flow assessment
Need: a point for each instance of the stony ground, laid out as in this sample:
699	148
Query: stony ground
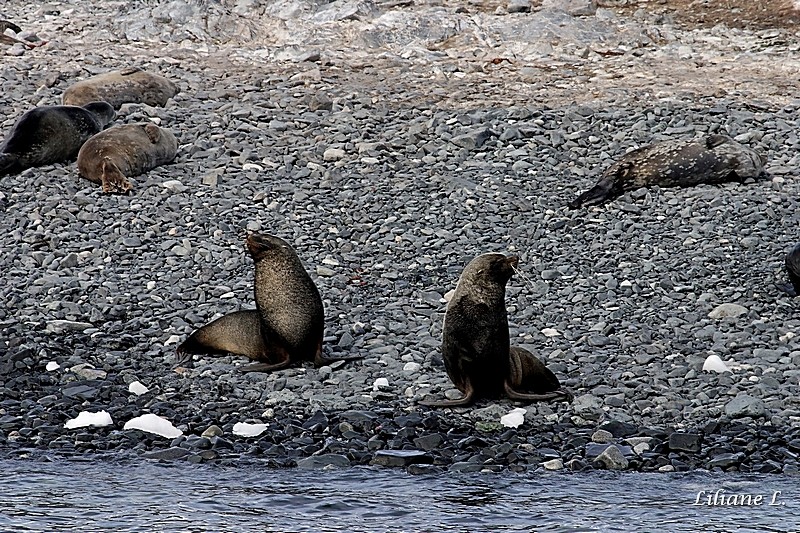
389	164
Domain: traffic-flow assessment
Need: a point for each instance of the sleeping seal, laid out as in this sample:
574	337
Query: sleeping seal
711	159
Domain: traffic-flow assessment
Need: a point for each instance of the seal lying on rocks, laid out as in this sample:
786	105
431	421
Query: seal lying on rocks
49	134
132	85
287	324
117	153
793	269
711	159
475	342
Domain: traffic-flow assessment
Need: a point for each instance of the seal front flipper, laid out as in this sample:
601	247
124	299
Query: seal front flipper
9	164
605	189
321	360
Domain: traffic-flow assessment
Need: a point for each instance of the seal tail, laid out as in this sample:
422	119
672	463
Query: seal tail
321	360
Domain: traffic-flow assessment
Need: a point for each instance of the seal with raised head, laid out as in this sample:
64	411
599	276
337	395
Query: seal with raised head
288	323
475	343
792	264
50	134
131	85
711	159
112	156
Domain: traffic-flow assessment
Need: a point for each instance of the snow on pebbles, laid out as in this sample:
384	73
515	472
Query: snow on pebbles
387	189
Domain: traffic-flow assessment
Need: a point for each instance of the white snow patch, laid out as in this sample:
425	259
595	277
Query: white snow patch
243	429
380	383
85	419
715	364
154	424
513	419
52	365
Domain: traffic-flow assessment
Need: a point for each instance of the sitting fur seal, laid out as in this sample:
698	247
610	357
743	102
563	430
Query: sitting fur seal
711	159
117	153
118	87
475	342
49	134
287	325
793	269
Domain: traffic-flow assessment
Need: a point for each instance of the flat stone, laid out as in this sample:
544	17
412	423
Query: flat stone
400	458
726	460
322	461
727	311
685	442
745	405
170	454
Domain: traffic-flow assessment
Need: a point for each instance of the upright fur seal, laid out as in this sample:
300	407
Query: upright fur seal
287	325
131	85
117	153
49	134
475	342
711	159
792	264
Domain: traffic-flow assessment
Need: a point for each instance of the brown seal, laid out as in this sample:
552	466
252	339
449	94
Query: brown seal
475	342
50	134
118	87
110	157
792	264
287	325
712	159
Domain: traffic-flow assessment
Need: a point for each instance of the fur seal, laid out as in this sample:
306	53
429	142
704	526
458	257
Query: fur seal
119	152
49	134
7	39
711	159
131	85
475	343
287	324
792	264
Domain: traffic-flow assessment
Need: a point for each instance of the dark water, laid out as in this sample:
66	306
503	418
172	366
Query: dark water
122	497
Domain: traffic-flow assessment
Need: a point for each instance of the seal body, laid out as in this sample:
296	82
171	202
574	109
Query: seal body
50	134
110	157
118	87
792	264
711	159
287	324
475	341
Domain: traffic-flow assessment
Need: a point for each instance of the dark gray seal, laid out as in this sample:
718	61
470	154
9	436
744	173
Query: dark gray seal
475	344
792	264
712	159
131	85
112	156
50	134
288	322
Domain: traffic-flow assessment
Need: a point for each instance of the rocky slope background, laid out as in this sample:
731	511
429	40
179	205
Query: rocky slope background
391	143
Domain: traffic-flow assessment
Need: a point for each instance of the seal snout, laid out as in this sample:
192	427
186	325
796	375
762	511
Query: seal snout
512	261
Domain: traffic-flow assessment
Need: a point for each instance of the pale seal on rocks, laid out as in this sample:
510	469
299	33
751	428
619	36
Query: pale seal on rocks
288	322
112	156
50	134
132	85
711	159
475	343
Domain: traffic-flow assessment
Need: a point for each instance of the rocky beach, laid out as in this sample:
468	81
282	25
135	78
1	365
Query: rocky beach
390	143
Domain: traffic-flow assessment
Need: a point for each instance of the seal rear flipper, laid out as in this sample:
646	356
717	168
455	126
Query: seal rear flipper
322	360
113	180
468	399
540	397
787	288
